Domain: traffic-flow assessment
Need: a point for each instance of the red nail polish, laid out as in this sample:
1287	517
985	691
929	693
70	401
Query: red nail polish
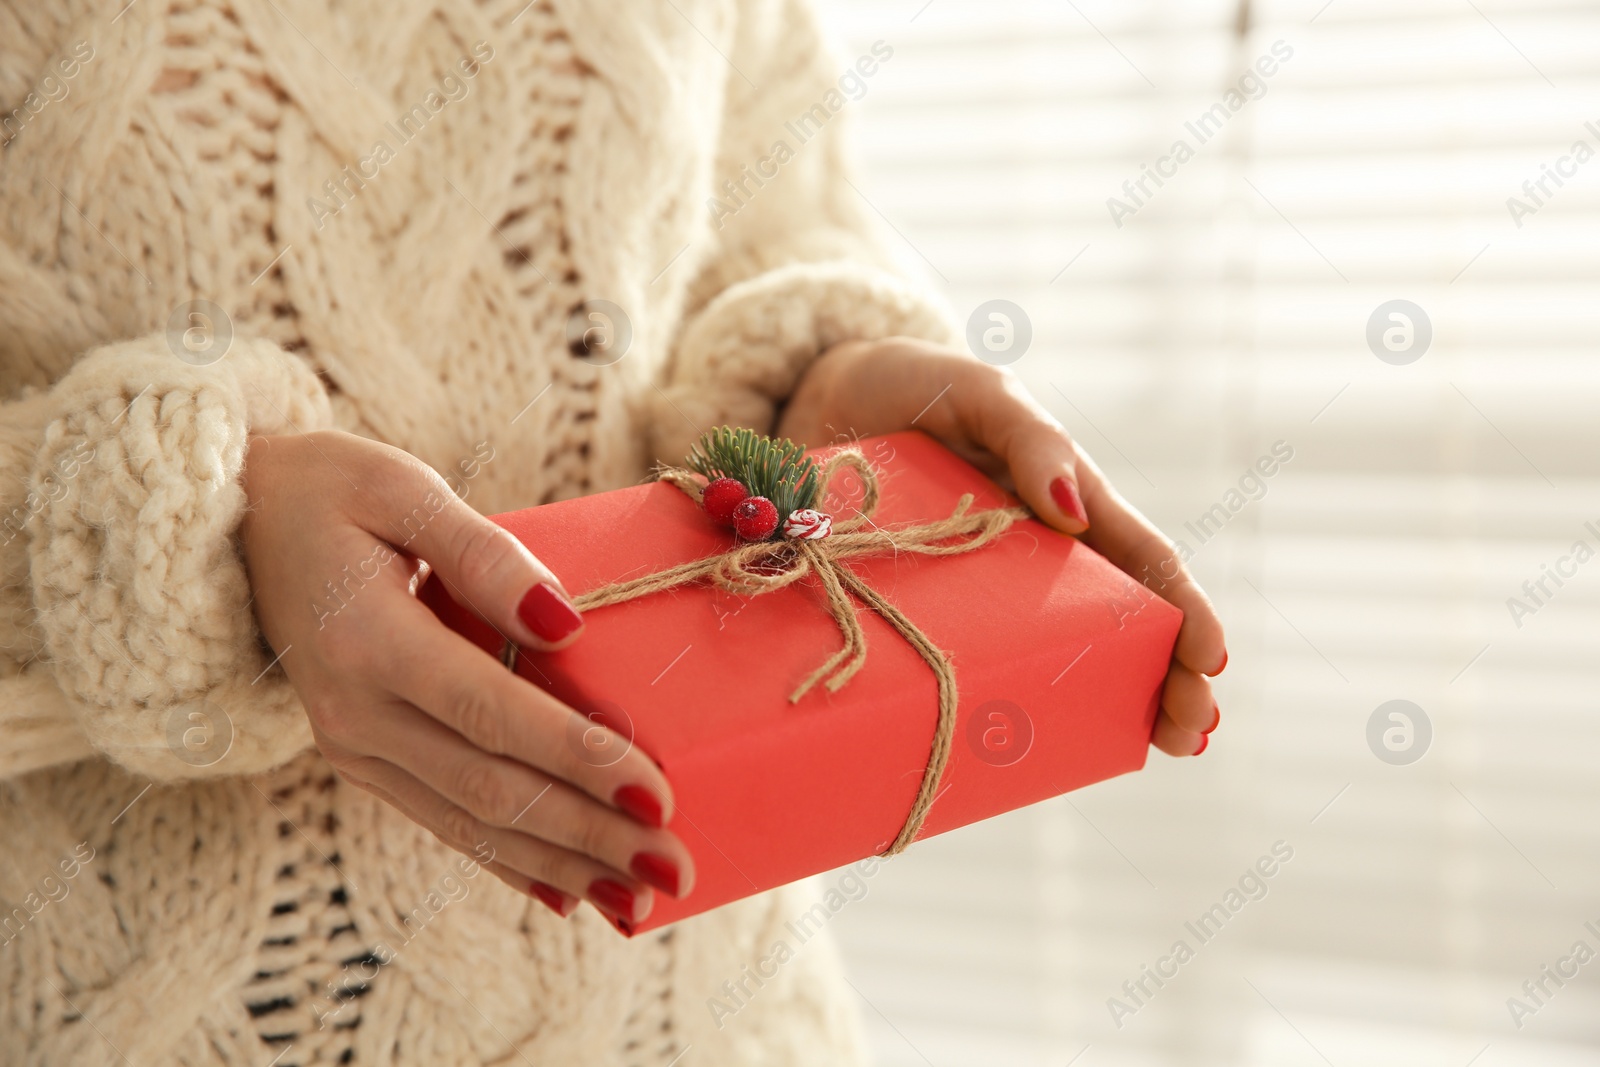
1065	494
1205	739
548	614
1216	719
642	804
1224	666
554	899
656	870
614	898
623	926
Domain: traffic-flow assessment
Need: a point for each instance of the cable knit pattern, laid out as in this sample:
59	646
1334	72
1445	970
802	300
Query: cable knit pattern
249	907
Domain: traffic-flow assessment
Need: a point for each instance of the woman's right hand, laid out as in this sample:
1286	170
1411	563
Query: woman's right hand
338	534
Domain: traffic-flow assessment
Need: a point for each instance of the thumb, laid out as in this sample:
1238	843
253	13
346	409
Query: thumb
483	567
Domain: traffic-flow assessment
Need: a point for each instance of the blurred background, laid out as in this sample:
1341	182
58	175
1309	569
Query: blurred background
1443	849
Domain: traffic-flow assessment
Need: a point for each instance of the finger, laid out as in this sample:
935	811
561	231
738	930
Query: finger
509	795
1129	541
482	566
1174	740
1188	701
563	904
451	679
1035	448
612	892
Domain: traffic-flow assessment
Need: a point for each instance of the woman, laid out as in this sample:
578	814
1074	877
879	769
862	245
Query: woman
286	288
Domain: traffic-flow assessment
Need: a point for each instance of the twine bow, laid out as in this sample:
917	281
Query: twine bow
765	566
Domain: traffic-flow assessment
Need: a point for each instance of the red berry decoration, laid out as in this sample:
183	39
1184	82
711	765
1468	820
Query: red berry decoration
755	518
721	496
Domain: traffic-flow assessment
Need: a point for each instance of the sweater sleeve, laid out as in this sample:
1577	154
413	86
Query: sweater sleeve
126	626
798	262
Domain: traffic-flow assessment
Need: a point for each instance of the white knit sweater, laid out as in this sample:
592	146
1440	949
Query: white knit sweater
506	163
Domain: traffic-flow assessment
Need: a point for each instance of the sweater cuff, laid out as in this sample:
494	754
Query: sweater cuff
138	584
39	727
742	355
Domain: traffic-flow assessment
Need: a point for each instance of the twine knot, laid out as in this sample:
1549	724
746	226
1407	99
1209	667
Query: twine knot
764	566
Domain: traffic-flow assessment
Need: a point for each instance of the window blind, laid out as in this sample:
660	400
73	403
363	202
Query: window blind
1227	312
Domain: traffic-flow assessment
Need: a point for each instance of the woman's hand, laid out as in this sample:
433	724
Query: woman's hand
335	539
863	388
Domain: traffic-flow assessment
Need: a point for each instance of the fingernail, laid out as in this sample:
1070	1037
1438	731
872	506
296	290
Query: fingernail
642	804
624	926
1205	739
548	614
614	898
1216	719
656	870
1065	494
554	899
1224	665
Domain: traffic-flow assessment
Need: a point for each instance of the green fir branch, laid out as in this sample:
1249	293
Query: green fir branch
778	469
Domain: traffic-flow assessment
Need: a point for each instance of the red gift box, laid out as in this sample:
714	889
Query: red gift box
1059	658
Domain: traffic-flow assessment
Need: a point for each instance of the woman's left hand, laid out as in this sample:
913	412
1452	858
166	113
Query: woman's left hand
982	412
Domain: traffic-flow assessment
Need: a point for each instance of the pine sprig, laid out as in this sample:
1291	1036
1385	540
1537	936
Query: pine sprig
776	469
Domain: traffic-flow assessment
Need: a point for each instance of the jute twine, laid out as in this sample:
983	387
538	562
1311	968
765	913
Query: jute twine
764	566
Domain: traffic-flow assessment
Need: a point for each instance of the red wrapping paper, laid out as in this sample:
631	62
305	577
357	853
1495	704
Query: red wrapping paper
1059	657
